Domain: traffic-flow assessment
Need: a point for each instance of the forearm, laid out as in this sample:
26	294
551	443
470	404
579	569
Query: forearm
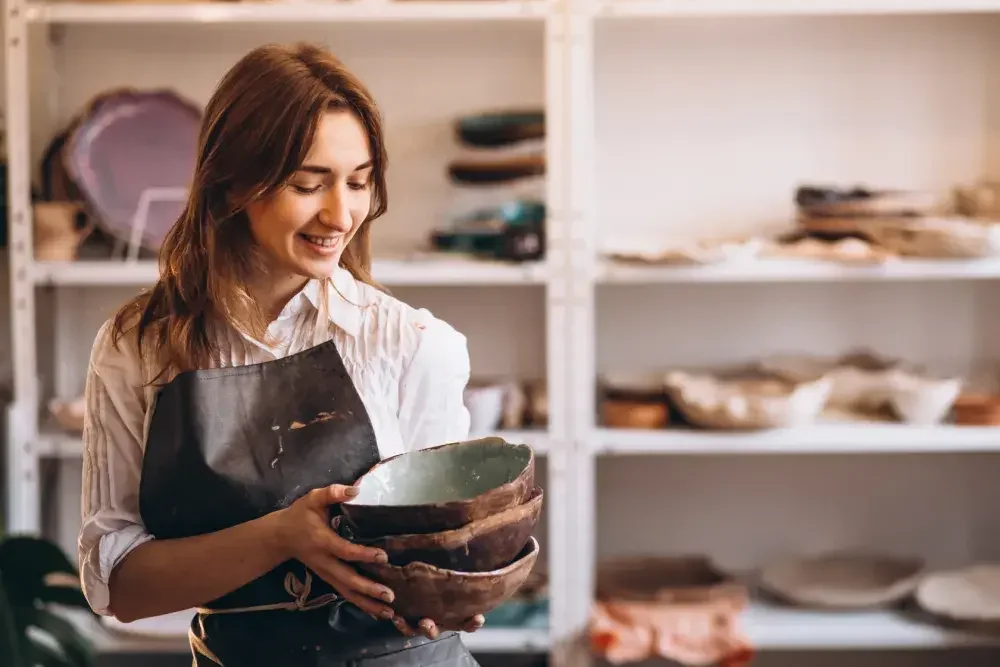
164	576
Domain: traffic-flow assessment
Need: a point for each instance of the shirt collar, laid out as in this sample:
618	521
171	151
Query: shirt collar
343	300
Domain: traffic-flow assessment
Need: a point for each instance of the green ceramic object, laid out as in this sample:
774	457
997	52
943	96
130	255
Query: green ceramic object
500	128
442	488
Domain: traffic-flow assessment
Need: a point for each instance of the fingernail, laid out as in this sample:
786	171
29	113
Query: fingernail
388	615
381	557
351	491
388	596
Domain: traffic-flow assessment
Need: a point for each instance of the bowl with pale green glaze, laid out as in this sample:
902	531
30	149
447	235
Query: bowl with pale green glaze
441	488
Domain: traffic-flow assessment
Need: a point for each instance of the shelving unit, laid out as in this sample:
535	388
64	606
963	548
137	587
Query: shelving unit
650	115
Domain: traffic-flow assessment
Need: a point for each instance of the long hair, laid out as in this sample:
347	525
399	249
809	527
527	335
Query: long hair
256	131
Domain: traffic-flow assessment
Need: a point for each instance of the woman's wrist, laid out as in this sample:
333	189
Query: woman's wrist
274	537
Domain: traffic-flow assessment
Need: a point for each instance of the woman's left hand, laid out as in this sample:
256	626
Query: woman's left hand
431	630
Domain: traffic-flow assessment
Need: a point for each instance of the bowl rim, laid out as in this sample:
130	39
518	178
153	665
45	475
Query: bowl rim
528	552
354	503
458	536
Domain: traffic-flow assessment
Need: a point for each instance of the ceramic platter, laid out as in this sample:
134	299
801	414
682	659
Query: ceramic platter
125	144
842	580
969	595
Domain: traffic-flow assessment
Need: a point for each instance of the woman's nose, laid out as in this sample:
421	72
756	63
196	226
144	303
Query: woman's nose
336	214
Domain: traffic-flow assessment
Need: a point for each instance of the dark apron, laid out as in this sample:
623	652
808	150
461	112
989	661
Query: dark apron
230	445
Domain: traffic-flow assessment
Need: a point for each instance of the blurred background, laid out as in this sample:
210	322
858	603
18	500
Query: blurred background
729	266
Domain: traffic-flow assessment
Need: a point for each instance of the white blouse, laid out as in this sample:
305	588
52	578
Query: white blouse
410	369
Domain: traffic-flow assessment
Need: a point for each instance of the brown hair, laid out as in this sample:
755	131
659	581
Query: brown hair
256	131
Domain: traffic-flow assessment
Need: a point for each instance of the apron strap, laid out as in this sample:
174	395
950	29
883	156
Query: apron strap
298	590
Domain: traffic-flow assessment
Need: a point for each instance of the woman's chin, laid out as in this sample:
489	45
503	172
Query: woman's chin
319	269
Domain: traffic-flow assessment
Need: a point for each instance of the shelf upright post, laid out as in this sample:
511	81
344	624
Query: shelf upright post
567	47
23	514
559	494
581	199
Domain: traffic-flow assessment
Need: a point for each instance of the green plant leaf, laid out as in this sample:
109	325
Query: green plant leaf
10	634
25	563
68	597
43	655
77	649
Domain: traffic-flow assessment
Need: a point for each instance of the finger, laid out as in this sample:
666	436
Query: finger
404	627
340	493
429	628
349	581
325	496
474	623
355	553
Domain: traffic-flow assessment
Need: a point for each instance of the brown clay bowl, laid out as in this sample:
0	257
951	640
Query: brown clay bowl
441	488
451	597
479	546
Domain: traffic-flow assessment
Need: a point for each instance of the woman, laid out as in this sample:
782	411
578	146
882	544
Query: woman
232	405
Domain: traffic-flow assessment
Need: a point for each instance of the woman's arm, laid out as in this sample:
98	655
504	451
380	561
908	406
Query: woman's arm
164	576
129	574
125	571
432	386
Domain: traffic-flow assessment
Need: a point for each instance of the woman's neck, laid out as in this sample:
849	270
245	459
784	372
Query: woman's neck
273	290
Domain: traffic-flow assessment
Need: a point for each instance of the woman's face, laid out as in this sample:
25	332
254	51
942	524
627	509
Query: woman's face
304	227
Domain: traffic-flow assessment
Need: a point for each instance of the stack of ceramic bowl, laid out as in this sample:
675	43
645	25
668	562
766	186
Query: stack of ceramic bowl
456	522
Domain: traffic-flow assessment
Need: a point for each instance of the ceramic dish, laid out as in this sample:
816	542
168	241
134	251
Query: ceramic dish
746	399
500	128
126	144
479	546
842	580
969	595
441	488
451	597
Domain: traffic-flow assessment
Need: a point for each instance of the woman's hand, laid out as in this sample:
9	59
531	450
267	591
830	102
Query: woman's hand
305	529
431	630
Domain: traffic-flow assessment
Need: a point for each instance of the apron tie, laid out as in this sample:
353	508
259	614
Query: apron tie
299	591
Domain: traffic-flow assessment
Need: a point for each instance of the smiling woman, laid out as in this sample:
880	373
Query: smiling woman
305	226
230	408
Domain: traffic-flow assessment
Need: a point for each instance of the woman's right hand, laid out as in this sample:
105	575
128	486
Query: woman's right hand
304	529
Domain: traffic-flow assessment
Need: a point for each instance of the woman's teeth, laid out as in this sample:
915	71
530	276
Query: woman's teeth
324	241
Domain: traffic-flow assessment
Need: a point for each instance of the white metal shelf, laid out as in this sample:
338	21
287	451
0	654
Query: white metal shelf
767	627
423	272
777	628
382	11
797	271
53	443
749	8
822	439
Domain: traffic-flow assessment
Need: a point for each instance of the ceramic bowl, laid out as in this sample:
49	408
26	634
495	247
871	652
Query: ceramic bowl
451	597
441	488
479	546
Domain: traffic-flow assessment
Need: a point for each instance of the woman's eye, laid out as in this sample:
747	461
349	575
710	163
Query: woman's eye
306	190
358	186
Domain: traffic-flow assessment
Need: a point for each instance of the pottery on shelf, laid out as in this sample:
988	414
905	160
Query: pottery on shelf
839	580
867	383
746	399
441	488
969	595
59	229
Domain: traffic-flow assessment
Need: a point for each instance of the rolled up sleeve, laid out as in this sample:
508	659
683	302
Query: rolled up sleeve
432	387
113	436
